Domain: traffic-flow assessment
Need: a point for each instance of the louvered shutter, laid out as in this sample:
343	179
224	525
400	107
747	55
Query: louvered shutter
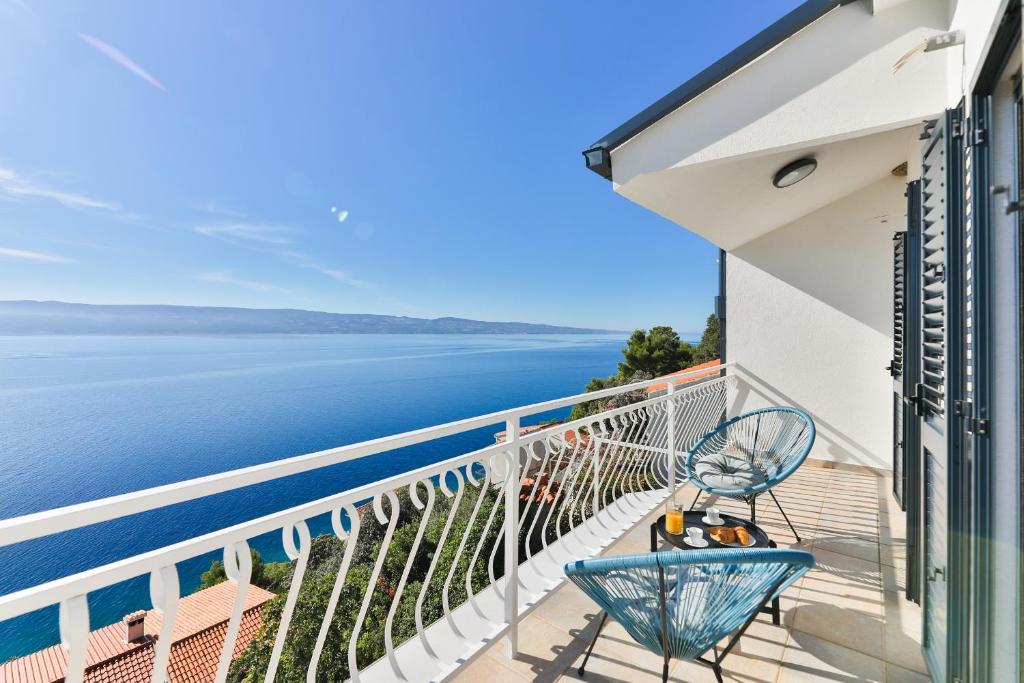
933	274
896	367
939	358
899	298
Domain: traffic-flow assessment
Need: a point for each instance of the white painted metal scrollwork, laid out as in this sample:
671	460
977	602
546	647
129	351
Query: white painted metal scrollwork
238	567
350	538
396	600
164	592
391	519
510	516
298	553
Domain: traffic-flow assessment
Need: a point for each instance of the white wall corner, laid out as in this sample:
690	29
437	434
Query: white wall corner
810	321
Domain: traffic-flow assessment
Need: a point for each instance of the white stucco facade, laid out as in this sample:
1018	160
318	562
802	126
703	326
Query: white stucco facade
810	321
809	268
809	276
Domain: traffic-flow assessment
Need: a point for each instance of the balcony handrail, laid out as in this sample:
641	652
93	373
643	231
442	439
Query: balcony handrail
563	491
38	524
40	595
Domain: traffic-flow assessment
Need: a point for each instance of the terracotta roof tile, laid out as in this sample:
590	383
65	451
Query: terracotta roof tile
201	616
662	386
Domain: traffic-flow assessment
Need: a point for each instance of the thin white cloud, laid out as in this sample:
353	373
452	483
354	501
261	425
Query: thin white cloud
16	186
238	231
122	59
38	256
228	278
214	207
344	277
336	274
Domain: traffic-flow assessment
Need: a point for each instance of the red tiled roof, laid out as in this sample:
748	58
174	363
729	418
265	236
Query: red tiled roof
663	386
198	637
499	437
193	659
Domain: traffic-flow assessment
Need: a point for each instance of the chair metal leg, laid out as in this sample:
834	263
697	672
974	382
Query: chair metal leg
694	503
753	509
600	627
664	624
778	505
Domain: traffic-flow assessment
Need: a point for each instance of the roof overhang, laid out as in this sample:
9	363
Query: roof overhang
829	90
730	203
597	156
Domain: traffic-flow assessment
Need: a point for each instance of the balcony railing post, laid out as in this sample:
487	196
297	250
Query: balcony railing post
597	472
670	413
513	477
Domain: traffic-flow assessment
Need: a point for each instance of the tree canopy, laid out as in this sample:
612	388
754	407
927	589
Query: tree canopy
657	352
709	347
650	354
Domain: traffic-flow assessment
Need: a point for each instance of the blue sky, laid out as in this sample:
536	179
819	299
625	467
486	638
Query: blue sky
191	153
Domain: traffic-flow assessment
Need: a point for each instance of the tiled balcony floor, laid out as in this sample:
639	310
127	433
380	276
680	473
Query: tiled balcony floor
846	620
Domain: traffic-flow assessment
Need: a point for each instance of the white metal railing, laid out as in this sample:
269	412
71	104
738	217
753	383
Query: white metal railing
422	568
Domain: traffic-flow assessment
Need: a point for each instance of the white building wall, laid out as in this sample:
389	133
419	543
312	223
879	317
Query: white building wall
809	319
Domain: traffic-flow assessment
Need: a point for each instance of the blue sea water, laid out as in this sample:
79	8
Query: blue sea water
87	417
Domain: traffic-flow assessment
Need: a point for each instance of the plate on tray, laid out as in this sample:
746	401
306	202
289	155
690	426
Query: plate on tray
734	543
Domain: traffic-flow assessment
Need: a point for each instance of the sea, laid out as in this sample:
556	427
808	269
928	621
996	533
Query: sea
84	417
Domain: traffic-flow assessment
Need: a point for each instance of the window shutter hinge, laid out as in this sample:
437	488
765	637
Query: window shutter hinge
977	137
978	425
958	128
972	424
916	399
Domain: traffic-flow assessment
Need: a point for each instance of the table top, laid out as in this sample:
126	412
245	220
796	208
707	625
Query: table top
694	518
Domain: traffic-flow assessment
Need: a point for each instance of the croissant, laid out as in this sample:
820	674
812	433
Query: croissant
723	534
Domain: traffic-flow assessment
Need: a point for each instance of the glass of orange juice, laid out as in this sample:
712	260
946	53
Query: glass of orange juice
674	518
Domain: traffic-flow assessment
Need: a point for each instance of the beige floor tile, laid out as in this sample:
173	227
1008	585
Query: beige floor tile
860	547
892	555
849	568
488	669
897	674
617	657
569	609
902	629
758	654
851	628
544	650
812	659
628	546
822	587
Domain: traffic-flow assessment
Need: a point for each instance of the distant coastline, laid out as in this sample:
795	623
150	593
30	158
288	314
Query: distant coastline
59	318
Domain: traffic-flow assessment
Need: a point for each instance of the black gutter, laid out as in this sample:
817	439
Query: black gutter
598	155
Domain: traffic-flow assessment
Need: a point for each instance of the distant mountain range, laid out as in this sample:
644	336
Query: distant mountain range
58	317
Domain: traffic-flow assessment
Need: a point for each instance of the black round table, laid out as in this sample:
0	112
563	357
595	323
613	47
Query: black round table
694	518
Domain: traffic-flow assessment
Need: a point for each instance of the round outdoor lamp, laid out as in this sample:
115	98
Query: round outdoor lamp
793	173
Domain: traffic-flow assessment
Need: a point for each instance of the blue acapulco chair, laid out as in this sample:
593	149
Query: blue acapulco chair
680	604
750	453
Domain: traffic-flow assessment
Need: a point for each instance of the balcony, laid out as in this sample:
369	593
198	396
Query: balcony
846	620
423	576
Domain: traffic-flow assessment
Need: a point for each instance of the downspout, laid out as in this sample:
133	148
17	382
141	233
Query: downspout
720	306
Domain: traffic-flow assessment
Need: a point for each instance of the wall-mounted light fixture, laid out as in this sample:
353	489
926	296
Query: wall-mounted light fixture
793	173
